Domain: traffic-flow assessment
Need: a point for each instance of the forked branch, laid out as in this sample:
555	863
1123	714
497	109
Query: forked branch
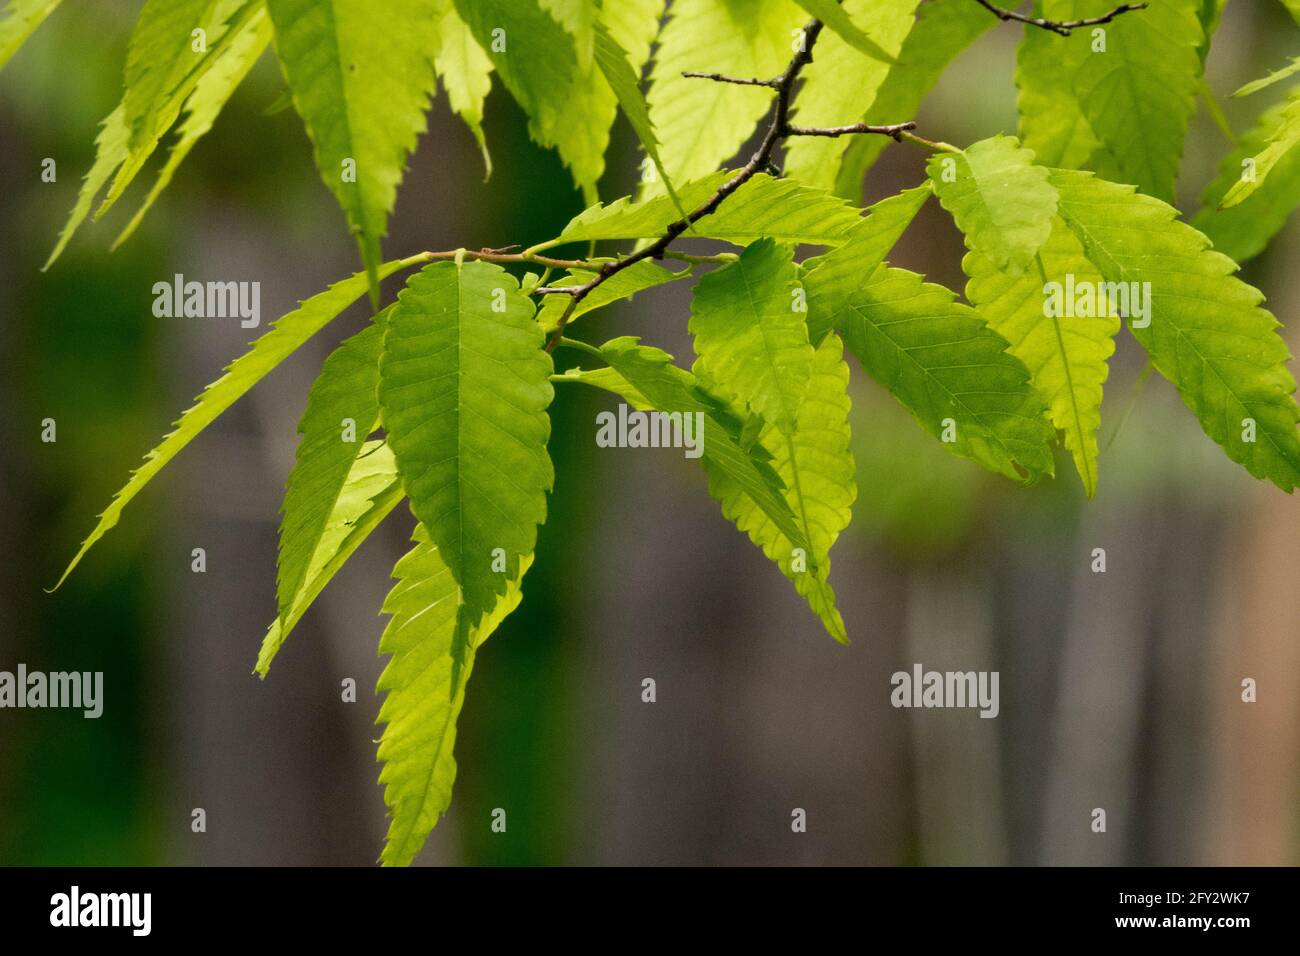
1061	27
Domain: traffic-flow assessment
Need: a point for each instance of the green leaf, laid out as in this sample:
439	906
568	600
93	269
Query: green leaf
1210	13
703	123
780	209
342	412
425	683
161	53
1243	230
951	371
614	64
1066	350
749	328
361	84
999	199
818	471
840	84
463	385
943	29
840	19
621	285
1137	94
578	17
18	21
1281	142
831	279
634	25
570	107
111	150
533	54
154	96
625	219
1052	120
1276	76
646	378
205	103
1207	333
466	72
284	338
370	490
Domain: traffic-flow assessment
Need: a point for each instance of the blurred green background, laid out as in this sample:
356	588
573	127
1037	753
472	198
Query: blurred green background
1118	690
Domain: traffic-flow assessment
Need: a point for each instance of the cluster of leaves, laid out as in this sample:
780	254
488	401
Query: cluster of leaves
442	400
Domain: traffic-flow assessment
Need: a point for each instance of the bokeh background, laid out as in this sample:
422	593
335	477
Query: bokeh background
1119	690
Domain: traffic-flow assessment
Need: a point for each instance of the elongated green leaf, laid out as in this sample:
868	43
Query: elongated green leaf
646	378
1243	230
371	489
570	106
703	123
425	685
1210	13
634	25
463	385
1000	200
1276	76
1135	85
578	17
1062	333
210	95
943	29
622	285
1205	330
1139	96
625	219
749	328
284	338
831	279
154	97
1281	143
840	84
533	54
780	209
840	19
111	150
466	72
617	69
361	83
951	371
342	411
818	471
19	20
169	40
1052	120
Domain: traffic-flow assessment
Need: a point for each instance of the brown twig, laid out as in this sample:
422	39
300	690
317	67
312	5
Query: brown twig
738	80
895	130
1061	27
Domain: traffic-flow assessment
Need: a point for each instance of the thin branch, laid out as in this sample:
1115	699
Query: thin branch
896	130
1061	27
738	80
